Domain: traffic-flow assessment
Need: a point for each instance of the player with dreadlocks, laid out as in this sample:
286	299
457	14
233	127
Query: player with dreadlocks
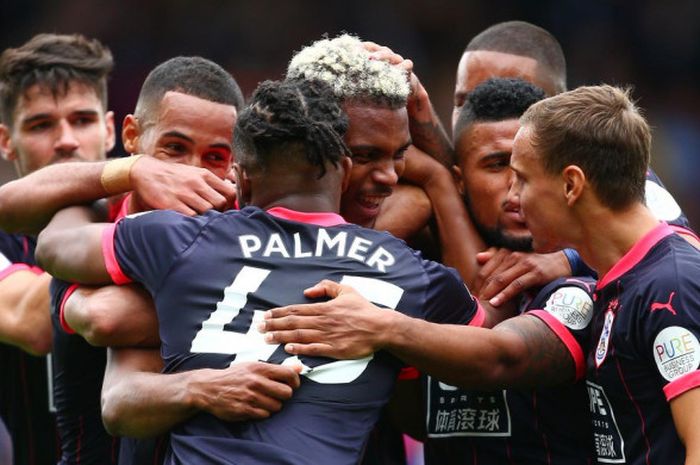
212	277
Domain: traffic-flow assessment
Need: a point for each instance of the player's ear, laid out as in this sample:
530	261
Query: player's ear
7	150
242	185
131	132
346	163
109	126
457	175
574	182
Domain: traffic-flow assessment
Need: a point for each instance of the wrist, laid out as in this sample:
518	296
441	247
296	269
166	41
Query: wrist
116	175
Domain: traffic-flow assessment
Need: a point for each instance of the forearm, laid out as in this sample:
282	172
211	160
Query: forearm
114	316
24	312
459	240
427	131
137	400
514	354
27	204
73	253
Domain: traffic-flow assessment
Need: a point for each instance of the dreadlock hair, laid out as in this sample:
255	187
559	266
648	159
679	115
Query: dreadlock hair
54	61
344	64
195	76
497	99
525	39
291	118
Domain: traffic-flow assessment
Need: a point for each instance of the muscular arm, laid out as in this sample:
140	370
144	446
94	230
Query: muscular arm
685	410
520	352
73	253
138	401
114	316
27	204
25	320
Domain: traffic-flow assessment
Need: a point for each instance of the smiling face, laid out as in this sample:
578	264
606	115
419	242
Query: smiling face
377	138
484	178
187	130
540	195
48	128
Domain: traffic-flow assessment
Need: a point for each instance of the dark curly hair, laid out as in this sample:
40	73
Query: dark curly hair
496	100
54	61
291	118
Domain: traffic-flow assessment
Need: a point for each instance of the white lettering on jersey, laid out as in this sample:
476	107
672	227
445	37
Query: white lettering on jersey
661	202
572	306
251	345
360	249
676	352
607	440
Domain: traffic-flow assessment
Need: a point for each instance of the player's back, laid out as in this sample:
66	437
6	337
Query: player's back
212	278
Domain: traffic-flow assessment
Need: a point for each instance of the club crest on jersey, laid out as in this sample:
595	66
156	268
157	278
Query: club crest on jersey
676	352
601	350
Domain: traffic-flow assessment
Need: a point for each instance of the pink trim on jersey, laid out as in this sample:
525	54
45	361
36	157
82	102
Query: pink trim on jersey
19	267
684	231
635	254
110	256
408	373
479	317
61	315
123	208
681	385
566	337
319	219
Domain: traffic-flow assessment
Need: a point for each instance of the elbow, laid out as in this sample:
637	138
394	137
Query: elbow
111	414
46	251
93	320
39	345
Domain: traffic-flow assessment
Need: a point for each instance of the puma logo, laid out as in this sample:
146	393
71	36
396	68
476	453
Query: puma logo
666	306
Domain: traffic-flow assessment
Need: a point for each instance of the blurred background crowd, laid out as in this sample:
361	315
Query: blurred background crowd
651	45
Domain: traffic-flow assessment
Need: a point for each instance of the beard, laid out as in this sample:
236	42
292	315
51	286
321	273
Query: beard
496	236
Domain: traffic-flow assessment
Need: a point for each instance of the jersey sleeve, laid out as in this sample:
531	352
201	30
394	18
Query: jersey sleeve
144	247
60	291
670	336
566	307
447	299
16	254
662	204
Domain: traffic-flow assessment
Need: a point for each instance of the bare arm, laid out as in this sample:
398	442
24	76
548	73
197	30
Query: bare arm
427	131
27	204
25	320
73	253
138	401
405	212
114	316
685	410
520	352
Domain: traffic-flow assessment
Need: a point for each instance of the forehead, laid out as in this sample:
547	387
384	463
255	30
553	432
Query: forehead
524	158
481	139
376	126
189	114
39	99
478	66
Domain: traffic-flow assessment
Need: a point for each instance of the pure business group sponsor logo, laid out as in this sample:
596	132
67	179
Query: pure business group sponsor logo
676	352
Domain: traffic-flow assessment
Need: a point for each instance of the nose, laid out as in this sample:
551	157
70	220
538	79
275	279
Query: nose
67	140
386	174
513	197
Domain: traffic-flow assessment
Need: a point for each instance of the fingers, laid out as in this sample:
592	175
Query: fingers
303	336
316	349
326	288
487	270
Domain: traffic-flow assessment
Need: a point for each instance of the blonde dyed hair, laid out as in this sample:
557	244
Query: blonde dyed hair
344	64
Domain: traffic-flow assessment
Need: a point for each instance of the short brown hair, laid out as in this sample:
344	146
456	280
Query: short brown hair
54	61
599	129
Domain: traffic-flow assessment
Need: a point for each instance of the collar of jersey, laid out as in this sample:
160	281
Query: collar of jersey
635	254
317	218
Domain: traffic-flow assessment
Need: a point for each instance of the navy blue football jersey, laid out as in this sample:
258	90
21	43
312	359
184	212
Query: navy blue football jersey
643	349
213	276
519	426
24	385
78	370
663	205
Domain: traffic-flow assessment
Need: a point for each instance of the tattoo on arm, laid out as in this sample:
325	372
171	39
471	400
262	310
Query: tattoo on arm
431	137
546	357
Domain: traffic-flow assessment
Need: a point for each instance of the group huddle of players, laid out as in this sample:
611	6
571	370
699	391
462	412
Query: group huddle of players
222	295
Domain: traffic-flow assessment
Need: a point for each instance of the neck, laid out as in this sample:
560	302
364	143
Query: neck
308	203
607	236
